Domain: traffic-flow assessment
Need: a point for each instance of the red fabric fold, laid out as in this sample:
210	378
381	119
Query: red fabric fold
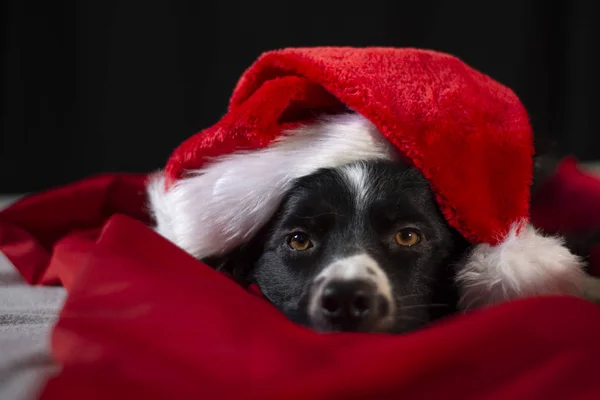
45	235
569	203
144	318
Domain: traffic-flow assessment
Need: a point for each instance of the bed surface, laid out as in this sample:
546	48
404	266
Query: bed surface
27	314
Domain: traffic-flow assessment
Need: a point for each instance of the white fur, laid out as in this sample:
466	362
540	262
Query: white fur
225	203
357	177
526	263
356	267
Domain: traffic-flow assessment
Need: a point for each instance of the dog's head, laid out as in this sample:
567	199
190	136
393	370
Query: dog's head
362	247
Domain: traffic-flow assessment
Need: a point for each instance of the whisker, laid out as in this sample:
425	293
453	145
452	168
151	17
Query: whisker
318	215
407	296
411	318
423	306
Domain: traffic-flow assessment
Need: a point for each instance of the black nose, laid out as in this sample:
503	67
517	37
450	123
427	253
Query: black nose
354	305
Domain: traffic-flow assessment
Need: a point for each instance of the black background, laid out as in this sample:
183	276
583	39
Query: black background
103	86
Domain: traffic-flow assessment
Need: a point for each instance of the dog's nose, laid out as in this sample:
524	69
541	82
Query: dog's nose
354	305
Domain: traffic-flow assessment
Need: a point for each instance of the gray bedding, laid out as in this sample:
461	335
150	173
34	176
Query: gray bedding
27	315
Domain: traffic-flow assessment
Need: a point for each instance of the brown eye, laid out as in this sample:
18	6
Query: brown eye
299	241
408	237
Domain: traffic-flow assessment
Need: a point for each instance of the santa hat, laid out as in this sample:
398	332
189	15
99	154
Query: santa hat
469	135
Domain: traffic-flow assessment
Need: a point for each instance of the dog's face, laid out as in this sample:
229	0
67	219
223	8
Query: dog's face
363	248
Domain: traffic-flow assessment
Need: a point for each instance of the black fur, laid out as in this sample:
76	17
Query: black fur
323	206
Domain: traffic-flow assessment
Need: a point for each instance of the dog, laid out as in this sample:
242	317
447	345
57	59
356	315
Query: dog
363	247
360	248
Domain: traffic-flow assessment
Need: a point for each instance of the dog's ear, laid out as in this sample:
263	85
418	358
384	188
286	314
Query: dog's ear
547	157
238	263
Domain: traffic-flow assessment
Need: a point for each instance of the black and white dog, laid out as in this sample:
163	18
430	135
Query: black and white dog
362	247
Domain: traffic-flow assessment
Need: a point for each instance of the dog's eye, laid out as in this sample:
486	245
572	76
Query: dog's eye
299	241
408	237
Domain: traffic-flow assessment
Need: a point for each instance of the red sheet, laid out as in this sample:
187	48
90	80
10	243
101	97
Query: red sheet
569	202
46	235
143	318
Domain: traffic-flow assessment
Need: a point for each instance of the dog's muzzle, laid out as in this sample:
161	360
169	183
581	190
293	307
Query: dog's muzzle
352	294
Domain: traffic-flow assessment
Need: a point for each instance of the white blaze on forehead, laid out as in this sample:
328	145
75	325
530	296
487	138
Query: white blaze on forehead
357	177
357	267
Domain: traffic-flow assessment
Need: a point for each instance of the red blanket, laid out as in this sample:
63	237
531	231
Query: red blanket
145	319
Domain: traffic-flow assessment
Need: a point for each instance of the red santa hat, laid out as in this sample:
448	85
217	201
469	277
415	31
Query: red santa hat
469	135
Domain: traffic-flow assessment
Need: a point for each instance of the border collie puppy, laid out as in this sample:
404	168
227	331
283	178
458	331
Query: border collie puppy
362	247
358	247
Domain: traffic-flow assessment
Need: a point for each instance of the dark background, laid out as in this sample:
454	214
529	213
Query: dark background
102	86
